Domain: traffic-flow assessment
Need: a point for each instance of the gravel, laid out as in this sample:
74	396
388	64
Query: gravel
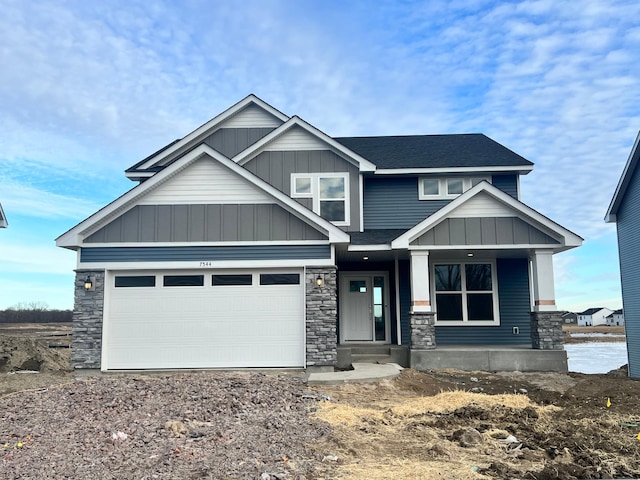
188	425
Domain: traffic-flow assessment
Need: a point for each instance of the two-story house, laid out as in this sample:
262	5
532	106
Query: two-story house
258	240
593	317
624	211
616	319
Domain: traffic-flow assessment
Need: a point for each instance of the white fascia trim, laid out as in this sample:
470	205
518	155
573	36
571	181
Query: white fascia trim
74	237
545	246
3	218
369	248
523	169
569	238
206	244
210	125
252	151
211	264
623	183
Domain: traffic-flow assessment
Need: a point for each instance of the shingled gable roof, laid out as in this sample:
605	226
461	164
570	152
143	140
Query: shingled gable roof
146	166
73	237
458	151
568	238
623	183
295	121
591	311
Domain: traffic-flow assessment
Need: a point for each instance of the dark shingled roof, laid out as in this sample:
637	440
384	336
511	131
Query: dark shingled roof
591	311
434	151
375	237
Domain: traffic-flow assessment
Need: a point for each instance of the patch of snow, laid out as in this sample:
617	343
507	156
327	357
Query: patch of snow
587	335
596	357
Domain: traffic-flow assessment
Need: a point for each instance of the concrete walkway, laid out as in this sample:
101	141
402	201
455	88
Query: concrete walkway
361	373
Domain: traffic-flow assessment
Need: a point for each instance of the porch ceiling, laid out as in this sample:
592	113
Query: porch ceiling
453	253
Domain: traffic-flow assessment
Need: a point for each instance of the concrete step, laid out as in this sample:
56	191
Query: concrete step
370	350
370	358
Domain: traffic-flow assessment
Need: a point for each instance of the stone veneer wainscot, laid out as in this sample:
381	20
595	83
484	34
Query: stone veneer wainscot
86	343
546	331
321	317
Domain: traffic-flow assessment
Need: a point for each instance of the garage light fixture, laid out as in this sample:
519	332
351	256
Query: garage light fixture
88	283
319	281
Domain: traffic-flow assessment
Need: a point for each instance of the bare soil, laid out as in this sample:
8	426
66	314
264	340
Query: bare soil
257	425
608	334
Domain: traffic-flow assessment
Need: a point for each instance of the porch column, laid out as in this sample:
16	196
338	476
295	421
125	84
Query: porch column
420	292
543	287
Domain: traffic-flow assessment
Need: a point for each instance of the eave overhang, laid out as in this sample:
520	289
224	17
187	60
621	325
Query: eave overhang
624	181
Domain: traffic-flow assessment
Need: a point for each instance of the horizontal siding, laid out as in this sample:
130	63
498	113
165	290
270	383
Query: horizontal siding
252	116
231	141
205	223
296	138
205	181
628	225
276	168
392	202
482	205
507	183
515	309
484	231
187	254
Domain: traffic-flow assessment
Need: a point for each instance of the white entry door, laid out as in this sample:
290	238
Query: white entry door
363	308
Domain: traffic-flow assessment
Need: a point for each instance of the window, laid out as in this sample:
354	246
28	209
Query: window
279	279
434	188
329	193
219	280
183	280
137	281
466	294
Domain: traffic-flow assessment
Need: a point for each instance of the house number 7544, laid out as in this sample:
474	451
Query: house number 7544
206	264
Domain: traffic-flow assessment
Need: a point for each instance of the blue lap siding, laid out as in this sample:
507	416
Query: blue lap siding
186	254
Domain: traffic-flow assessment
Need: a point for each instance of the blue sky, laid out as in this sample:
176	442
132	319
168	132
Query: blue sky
89	88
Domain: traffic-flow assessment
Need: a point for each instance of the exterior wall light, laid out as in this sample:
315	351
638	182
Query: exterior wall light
88	284
469	254
319	281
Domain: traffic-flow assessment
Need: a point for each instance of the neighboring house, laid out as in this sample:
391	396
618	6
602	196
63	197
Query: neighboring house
616	318
624	210
3	218
569	317
592	317
257	240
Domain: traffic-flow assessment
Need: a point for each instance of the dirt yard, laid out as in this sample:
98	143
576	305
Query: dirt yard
601	333
251	425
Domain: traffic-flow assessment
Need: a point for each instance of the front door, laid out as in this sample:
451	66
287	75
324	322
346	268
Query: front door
363	308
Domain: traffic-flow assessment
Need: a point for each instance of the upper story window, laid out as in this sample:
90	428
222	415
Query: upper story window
329	193
437	188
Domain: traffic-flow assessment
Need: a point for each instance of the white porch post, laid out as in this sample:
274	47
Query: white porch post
543	287
420	292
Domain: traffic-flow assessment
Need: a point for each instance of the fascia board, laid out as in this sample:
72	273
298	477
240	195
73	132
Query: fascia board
623	183
3	219
522	169
570	239
243	157
72	237
211	124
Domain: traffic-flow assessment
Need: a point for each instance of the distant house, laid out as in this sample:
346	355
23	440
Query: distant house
616	319
624	210
569	317
3	218
594	316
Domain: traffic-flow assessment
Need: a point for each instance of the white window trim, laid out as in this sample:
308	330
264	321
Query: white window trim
315	192
442	186
465	321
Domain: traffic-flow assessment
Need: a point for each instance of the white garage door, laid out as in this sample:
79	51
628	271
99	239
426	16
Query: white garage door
199	319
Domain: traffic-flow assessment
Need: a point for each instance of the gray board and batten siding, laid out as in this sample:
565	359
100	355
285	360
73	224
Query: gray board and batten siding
276	167
231	141
628	226
205	223
201	253
515	311
391	202
484	231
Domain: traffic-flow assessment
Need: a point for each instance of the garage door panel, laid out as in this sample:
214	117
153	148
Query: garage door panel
205	327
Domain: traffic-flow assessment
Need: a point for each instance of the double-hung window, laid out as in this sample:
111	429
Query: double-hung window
329	193
466	294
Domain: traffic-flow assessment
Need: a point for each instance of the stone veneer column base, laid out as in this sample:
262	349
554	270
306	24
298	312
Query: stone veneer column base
423	331
546	331
321	318
86	342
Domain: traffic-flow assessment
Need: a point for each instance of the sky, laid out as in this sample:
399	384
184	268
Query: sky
89	88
